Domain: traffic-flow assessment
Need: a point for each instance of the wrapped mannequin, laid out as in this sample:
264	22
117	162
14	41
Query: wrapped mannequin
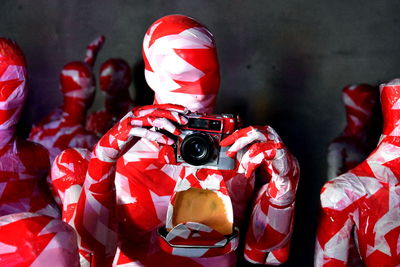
77	84
182	68
91	54
29	233
366	199
115	78
354	144
24	165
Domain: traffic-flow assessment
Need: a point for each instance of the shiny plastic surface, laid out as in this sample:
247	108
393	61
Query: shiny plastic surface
355	143
133	173
366	200
65	126
77	84
23	164
30	234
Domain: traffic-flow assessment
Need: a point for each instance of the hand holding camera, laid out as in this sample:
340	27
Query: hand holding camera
265	148
259	143
134	125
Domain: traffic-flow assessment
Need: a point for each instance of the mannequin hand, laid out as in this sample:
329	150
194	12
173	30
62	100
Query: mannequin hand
133	127
93	49
260	144
265	148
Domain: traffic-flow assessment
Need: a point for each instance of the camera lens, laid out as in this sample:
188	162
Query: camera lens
197	149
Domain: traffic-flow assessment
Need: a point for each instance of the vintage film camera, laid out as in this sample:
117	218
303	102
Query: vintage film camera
198	145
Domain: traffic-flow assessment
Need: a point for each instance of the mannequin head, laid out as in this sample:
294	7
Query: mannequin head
181	63
359	100
13	90
390	101
115	77
77	86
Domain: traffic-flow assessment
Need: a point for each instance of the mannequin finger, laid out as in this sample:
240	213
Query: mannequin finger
240	143
162	123
249	163
273	135
141	111
170	115
93	49
238	134
268	148
151	135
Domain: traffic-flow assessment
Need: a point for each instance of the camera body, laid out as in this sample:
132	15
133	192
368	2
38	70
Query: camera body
198	144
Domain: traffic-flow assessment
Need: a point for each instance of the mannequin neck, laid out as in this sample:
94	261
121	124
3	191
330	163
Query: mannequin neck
391	131
74	110
386	155
117	105
7	136
356	125
194	103
390	101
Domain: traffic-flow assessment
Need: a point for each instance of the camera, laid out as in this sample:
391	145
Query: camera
198	144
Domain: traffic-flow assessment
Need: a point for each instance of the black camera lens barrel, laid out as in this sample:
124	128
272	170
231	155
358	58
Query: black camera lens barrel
197	149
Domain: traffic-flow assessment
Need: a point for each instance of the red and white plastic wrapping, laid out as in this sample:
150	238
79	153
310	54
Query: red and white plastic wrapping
30	239
115	78
132	174
354	144
366	200
77	84
30	234
65	126
23	165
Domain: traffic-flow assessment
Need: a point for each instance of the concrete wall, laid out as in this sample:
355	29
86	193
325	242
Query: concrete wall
283	63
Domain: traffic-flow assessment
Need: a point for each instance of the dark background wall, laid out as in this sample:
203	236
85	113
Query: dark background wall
283	63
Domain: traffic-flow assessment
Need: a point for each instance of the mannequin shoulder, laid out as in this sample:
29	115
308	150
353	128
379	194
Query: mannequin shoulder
33	154
29	147
79	155
342	191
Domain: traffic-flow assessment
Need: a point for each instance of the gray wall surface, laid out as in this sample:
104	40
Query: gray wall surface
283	63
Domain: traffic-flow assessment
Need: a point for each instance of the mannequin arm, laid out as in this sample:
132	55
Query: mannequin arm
334	230
95	213
271	223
